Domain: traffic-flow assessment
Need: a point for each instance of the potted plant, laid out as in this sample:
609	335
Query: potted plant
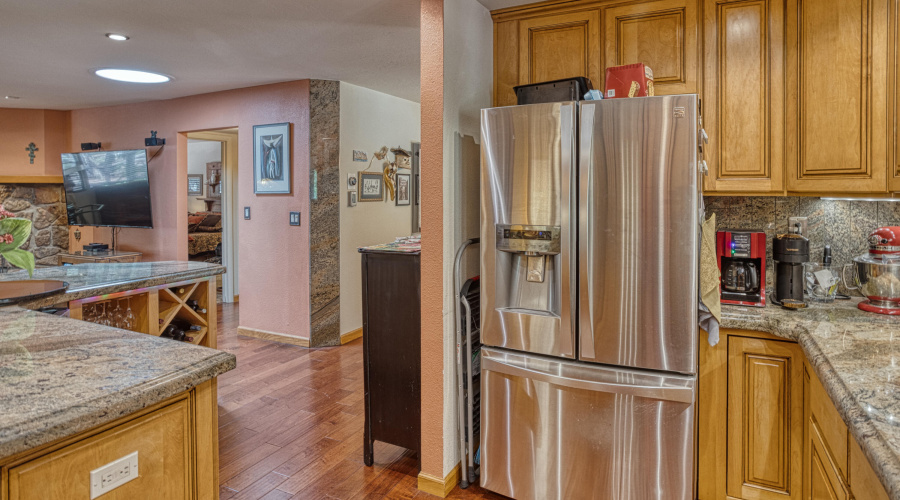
14	232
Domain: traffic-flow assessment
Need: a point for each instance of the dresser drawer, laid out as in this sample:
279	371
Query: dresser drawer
162	440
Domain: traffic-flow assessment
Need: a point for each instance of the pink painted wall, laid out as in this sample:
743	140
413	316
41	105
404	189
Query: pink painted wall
432	67
47	129
274	257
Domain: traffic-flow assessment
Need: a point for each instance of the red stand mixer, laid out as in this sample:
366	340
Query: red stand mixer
877	273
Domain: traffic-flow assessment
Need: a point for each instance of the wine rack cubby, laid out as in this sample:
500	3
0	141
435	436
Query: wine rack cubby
155	308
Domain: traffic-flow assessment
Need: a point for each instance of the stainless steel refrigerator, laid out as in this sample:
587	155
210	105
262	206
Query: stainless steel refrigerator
589	266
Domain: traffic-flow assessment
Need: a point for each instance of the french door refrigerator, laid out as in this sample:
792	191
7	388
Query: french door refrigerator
590	218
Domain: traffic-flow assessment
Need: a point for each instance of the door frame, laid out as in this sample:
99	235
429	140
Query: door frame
229	140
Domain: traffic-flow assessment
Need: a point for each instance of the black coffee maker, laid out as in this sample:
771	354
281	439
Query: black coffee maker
789	251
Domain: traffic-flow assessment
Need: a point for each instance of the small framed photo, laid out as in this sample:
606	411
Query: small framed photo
404	190
351	198
371	186
418	189
272	158
195	184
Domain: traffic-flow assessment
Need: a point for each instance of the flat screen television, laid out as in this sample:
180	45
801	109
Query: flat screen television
107	188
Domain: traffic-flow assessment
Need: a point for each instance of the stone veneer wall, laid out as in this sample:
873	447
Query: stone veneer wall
324	216
45	206
844	225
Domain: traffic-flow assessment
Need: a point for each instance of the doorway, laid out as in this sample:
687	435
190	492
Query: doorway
212	209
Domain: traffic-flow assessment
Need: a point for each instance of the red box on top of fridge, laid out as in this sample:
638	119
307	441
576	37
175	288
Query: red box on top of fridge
630	80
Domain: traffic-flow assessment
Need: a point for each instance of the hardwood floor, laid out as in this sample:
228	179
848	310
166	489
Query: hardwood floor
291	426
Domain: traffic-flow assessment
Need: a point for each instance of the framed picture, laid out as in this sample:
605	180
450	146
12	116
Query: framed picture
351	198
403	189
195	184
418	189
371	186
272	158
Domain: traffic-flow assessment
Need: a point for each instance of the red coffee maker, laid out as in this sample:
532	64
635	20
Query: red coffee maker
741	255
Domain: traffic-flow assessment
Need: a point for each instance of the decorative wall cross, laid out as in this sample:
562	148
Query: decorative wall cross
31	149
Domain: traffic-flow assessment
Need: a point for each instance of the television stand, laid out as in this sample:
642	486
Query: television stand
99	257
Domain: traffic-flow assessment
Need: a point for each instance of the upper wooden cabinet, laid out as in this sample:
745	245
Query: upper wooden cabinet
559	46
837	124
743	102
662	34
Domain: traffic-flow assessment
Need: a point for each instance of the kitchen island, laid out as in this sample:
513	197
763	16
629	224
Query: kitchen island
76	396
766	374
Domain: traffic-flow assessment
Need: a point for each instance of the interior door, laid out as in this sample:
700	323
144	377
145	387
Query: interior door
639	232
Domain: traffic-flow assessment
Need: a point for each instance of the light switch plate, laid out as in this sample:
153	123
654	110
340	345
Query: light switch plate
246	213
294	219
794	221
114	474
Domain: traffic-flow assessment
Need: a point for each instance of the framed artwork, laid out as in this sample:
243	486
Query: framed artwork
371	186
272	158
403	189
195	184
418	189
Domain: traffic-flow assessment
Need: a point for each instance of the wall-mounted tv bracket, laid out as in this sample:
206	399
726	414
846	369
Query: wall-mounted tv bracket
154	141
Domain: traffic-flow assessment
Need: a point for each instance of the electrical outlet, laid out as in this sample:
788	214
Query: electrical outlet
792	224
113	475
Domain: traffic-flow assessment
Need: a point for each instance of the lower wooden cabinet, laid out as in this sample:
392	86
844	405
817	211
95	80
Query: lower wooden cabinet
765	409
176	442
768	430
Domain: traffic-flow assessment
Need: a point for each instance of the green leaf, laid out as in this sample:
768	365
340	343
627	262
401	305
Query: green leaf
19	228
21	259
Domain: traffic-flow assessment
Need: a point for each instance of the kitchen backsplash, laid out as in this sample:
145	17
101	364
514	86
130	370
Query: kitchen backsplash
842	224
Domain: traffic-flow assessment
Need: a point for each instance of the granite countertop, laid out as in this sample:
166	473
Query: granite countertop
90	280
856	355
60	376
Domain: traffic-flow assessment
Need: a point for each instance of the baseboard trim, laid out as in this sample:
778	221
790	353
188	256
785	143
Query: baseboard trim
276	337
437	486
351	336
237	298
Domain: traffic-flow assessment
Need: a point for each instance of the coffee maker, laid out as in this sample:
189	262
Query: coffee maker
741	255
789	251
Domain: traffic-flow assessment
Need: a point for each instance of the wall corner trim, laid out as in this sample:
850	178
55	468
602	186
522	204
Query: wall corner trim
275	337
438	486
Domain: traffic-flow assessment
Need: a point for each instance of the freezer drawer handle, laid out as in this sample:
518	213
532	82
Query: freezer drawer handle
677	394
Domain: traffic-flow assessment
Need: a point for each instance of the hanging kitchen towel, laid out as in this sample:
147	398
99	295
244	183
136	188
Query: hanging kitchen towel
710	313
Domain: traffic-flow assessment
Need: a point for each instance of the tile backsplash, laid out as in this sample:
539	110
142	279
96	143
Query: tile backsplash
842	224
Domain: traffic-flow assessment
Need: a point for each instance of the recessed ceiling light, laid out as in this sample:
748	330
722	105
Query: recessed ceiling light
11	97
117	37
132	76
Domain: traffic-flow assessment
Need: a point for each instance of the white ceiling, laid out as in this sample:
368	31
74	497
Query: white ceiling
502	4
48	48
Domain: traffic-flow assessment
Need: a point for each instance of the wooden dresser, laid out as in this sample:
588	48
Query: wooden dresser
391	303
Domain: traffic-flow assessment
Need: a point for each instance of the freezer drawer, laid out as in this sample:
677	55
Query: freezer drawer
561	429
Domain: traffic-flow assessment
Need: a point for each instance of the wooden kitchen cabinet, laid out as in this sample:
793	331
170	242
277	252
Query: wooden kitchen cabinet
743	101
825	450
176	442
866	485
837	123
663	34
765	412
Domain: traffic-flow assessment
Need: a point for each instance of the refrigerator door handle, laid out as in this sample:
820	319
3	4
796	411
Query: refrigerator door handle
676	394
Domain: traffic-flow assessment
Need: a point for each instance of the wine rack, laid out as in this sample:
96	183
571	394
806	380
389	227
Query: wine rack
155	308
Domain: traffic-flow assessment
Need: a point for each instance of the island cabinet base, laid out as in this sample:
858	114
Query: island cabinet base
768	430
176	442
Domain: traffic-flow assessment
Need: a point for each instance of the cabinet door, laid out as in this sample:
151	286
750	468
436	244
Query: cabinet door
559	46
825	451
506	62
765	419
743	95
837	126
662	34
863	481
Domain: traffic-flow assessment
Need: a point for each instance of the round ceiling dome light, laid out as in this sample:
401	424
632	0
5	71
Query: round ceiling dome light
131	76
117	37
